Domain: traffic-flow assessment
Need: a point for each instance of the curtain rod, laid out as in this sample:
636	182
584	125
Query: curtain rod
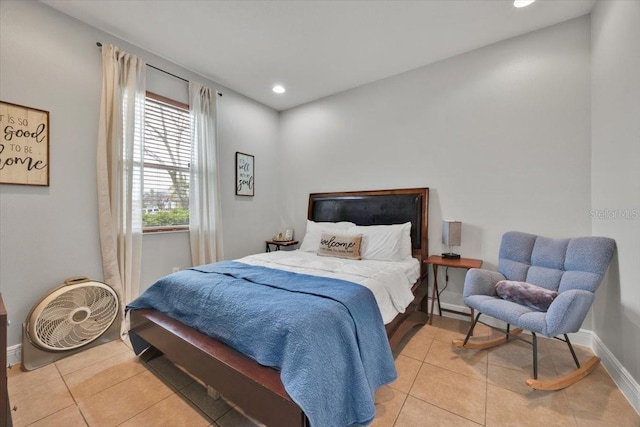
163	71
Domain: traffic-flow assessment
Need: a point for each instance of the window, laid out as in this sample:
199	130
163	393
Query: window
167	153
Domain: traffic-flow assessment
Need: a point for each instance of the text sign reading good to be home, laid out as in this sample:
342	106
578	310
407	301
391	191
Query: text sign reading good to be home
24	145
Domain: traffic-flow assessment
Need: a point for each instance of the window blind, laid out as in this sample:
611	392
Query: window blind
167	153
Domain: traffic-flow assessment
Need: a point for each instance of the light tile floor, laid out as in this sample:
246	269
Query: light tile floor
438	385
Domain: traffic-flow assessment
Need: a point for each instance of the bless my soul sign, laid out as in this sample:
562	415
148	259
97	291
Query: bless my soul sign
24	145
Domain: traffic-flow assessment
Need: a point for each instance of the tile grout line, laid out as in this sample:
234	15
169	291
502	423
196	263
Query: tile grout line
430	403
91	364
15	408
395	420
106	388
74	404
77	402
71	394
145	409
445	409
404	401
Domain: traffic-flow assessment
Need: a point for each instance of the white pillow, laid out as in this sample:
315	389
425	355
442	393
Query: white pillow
311	240
406	249
384	242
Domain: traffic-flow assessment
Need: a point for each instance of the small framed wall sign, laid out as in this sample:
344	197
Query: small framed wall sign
24	145
244	174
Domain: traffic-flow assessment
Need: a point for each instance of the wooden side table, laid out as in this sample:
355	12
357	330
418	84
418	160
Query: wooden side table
437	261
278	243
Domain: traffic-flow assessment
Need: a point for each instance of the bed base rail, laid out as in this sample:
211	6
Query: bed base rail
256	389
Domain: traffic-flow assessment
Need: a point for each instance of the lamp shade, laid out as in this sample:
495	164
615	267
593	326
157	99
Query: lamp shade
451	233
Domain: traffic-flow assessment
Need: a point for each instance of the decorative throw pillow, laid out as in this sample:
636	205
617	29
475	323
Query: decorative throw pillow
311	238
532	296
340	245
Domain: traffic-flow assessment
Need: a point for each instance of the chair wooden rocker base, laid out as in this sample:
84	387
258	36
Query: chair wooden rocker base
556	383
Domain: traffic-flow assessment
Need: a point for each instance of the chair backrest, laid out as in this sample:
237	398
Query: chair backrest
556	264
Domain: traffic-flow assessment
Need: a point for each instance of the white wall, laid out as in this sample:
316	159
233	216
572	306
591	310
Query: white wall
501	135
50	61
615	127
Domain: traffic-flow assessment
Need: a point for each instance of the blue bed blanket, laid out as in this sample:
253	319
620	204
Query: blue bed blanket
326	336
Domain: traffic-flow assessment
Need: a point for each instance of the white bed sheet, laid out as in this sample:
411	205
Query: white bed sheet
390	282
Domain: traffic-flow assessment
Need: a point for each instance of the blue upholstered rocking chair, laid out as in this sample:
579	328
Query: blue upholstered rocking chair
545	286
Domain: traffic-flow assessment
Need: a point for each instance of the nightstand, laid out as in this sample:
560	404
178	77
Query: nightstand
437	261
278	243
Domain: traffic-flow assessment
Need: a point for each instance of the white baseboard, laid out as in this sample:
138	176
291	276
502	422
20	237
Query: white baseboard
14	354
625	382
582	337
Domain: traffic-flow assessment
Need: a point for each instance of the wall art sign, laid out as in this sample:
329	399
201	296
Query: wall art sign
244	174
24	145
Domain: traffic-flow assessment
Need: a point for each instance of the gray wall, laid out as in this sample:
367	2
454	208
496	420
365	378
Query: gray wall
615	129
501	135
50	61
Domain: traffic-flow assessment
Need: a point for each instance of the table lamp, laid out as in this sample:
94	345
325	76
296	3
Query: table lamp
451	236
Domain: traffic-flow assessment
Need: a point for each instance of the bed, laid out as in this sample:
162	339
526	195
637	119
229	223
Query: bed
258	389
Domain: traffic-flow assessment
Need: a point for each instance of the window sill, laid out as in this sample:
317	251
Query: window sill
170	229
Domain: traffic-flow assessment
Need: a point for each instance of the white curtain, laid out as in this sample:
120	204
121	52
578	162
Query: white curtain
119	170
204	194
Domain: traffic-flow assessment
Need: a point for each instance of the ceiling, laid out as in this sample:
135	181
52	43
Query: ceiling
313	48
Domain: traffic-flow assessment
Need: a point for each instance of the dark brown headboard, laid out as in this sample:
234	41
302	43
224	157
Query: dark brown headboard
379	207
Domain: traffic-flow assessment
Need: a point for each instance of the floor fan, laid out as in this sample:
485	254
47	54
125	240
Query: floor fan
74	317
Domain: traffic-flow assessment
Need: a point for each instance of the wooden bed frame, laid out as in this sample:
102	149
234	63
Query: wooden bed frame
255	388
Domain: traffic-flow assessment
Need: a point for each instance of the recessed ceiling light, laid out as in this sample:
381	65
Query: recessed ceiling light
522	3
278	89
